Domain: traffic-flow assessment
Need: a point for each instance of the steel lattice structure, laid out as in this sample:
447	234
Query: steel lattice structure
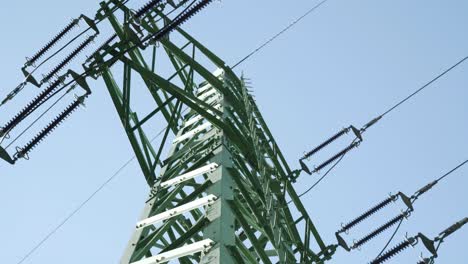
220	195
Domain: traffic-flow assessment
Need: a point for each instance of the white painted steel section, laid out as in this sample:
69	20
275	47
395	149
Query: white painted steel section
213	100
201	246
199	117
204	88
190	175
218	72
193	120
192	132
207	94
208	200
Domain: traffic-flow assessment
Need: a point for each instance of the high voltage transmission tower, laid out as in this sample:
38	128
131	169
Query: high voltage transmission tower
219	196
220	189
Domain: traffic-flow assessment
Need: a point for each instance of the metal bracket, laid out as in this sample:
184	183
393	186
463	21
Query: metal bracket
208	200
6	157
202	246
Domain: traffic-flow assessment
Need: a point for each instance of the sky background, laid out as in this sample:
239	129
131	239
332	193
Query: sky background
343	65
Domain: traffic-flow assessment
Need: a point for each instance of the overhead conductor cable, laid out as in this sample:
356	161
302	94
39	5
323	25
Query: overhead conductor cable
336	159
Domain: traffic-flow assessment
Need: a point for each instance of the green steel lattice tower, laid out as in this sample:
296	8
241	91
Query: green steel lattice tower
220	194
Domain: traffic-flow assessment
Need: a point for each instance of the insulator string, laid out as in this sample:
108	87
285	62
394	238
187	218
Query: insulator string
394	251
107	42
23	152
379	230
326	143
337	156
321	178
52	42
68	59
13	93
368	214
391	238
155	36
62	34
30	107
147	7
189	12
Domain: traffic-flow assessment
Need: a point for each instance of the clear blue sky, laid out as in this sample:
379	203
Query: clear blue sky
343	65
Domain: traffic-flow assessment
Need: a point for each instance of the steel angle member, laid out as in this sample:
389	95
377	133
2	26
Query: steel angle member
217	73
192	132
213	99
190	175
205	88
197	247
199	117
193	120
206	95
208	200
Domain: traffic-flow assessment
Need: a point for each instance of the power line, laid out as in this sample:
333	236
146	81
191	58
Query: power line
425	86
452	171
299	19
53	231
375	120
83	204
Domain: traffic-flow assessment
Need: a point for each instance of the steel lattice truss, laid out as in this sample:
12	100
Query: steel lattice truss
219	196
